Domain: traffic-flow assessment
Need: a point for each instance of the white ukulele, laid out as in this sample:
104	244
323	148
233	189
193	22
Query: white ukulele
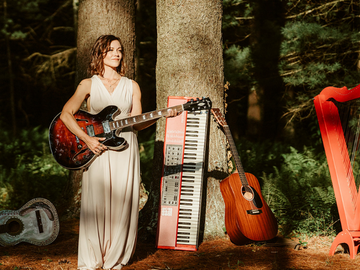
37	223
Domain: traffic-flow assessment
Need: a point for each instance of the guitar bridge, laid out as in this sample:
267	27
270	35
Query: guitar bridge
254	212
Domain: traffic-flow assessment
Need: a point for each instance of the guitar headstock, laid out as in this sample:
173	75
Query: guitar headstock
198	104
219	117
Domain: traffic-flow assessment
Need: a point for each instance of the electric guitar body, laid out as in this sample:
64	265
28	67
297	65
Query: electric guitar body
73	154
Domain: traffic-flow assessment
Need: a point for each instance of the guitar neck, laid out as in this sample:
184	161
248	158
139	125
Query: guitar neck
137	119
235	155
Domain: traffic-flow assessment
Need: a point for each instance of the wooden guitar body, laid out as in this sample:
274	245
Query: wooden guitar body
71	152
247	216
245	220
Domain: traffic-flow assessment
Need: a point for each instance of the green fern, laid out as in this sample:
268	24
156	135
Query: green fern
297	187
28	170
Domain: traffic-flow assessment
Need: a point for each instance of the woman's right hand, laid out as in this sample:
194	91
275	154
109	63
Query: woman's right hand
95	145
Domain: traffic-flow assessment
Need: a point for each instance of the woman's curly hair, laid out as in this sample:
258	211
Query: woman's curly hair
98	53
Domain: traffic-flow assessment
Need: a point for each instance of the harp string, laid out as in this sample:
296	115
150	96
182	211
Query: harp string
349	115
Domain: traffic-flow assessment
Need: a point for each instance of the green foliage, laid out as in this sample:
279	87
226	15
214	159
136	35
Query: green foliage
314	56
37	38
232	12
146	150
28	170
297	188
259	157
26	11
236	28
319	48
238	65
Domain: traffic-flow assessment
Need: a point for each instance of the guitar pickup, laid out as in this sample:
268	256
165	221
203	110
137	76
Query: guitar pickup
106	126
90	130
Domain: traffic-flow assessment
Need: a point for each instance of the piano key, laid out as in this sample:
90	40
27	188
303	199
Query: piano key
187	223
192	174
188	199
189	216
189	236
185	226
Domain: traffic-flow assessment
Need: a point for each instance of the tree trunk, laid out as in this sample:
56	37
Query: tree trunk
96	18
190	63
266	42
102	17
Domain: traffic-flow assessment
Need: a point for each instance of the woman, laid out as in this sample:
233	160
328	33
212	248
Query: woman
110	186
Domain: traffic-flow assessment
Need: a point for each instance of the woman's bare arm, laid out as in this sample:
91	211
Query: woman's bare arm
67	116
137	109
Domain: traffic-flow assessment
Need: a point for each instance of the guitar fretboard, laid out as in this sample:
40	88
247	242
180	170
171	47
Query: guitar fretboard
137	119
235	155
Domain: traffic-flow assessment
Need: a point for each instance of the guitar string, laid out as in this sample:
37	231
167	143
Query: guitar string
239	166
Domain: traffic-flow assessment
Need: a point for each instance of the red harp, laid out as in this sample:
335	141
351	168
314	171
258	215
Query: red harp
340	129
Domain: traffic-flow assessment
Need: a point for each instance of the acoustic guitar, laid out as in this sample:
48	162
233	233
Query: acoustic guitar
73	154
247	216
37	223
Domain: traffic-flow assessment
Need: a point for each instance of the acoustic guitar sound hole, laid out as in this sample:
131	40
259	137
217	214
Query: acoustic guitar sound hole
247	193
14	226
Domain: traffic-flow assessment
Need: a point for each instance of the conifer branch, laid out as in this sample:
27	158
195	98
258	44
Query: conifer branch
314	9
290	72
67	3
245	18
295	112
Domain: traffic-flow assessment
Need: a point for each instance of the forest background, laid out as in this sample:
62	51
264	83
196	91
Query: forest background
313	44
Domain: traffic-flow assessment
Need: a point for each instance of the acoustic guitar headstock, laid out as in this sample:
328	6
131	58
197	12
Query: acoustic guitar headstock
219	116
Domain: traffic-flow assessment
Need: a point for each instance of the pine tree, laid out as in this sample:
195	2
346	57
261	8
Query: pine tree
319	47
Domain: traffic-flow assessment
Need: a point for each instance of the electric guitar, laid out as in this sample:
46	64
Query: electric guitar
72	153
247	216
36	223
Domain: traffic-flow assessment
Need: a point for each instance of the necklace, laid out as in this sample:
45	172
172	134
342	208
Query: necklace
110	84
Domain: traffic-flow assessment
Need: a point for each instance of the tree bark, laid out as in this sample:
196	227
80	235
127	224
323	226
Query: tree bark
102	17
190	63
96	18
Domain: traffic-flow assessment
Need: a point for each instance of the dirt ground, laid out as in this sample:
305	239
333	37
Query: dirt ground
217	254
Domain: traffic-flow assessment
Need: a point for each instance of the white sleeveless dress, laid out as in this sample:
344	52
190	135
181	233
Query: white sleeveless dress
110	191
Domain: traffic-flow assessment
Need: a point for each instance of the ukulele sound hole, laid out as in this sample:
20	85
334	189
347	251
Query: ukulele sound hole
247	193
14	226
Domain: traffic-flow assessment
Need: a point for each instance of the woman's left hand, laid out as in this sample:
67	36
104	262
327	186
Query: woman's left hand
172	112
